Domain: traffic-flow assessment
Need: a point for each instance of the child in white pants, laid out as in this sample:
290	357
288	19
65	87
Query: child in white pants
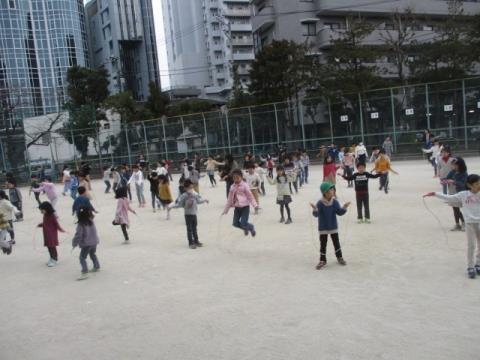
469	203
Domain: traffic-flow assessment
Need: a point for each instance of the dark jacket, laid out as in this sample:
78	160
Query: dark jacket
326	213
361	181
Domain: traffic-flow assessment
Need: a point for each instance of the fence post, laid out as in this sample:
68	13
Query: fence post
3	155
183	133
74	149
99	149
206	133
276	123
110	146
128	144
251	129
228	132
361	116
465	123
394	128
427	103
300	115
165	139
145	138
330	119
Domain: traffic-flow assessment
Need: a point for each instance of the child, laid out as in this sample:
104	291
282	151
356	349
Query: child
137	178
360	179
348	165
445	162
74	183
115	178
261	173
388	146
8	210
361	153
469	202
49	188
51	227
291	174
283	193
435	153
83	181
121	214
326	211
107	173
86	238
189	201
82	201
164	193
375	154
253	181
382	167
66	179
194	177
35	185
330	170
211	165
240	197
154	182
5	243
306	163
457	181
299	167
15	198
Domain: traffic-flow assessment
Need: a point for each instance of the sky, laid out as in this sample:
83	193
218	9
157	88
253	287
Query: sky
160	34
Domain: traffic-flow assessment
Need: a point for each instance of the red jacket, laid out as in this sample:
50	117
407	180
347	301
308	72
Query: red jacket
329	169
51	227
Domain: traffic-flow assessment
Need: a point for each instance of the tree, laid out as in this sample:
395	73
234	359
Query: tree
87	86
44	128
157	102
193	106
239	97
350	60
124	104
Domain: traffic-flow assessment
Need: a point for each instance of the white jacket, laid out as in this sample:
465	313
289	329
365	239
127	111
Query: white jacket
7	209
468	202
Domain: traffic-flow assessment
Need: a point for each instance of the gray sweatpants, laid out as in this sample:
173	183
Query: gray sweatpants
473	237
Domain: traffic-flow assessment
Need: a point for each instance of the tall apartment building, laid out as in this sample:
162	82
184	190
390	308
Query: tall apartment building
205	41
319	21
122	40
39	41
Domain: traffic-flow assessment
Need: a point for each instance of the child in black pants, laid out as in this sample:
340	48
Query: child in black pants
189	201
360	178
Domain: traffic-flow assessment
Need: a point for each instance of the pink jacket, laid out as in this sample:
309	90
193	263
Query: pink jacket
48	188
121	215
240	196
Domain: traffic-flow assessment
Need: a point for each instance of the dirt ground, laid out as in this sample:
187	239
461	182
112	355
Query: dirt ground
403	295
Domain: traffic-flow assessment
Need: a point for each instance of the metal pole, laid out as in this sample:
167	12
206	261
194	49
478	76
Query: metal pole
465	123
110	146
392	102
74	149
427	103
3	156
128	144
145	138
206	134
99	150
251	129
228	132
184	139
361	116
300	115
165	139
276	124
330	117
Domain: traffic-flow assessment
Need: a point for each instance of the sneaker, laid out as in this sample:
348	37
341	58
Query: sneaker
168	216
199	244
456	228
380	188
126	242
360	221
477	269
386	191
282	220
94	270
367	221
253	232
463	227
193	246
471	273
245	231
289	221
320	265
154	210
51	263
83	276
341	261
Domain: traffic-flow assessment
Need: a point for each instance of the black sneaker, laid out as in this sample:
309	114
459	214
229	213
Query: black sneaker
198	244
477	269
471	273
193	246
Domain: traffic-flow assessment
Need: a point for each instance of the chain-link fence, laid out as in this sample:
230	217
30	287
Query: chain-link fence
451	109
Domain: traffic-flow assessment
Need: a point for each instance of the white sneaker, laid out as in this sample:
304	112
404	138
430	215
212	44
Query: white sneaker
83	276
51	263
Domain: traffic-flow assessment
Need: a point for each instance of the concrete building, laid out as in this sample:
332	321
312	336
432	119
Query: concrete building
205	41
319	21
39	41
122	40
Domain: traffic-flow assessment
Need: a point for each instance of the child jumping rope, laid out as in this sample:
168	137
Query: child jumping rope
164	192
86	238
283	193
469	202
326	211
382	167
240	197
121	214
51	227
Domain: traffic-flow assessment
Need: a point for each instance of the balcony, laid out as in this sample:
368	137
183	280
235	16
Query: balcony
264	19
243	56
241	27
237	12
242	42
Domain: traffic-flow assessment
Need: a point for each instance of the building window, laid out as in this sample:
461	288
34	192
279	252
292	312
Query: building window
309	29
11	4
333	26
389	26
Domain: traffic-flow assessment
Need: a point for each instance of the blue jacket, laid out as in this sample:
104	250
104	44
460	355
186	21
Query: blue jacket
79	202
460	180
327	215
